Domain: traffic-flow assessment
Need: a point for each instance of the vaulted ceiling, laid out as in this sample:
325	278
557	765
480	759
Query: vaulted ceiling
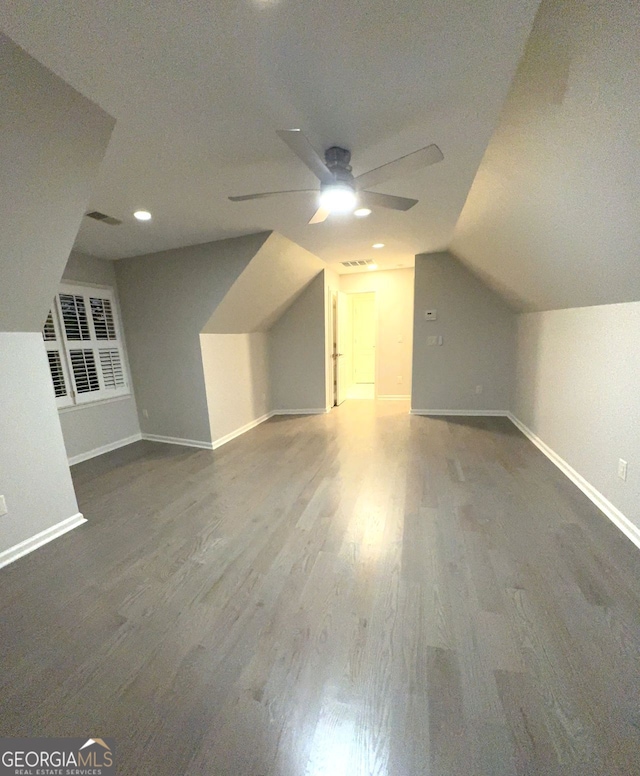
553	217
199	88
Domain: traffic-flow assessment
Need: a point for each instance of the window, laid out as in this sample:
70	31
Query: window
83	341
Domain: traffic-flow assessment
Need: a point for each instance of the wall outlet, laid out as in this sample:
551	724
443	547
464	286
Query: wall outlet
478	389
399	379
430	315
435	340
3	506
145	414
622	469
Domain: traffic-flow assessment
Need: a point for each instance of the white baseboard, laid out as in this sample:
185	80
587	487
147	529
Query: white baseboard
239	431
233	434
393	397
628	528
464	413
31	544
178	441
315	411
104	449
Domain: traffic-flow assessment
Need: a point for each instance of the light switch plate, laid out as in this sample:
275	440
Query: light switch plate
3	506
431	315
622	469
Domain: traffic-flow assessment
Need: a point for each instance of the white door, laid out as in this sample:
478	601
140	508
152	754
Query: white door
364	338
340	349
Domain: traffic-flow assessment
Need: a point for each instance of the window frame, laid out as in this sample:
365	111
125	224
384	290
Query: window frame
65	347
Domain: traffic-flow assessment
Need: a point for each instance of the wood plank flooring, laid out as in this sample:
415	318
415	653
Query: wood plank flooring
359	594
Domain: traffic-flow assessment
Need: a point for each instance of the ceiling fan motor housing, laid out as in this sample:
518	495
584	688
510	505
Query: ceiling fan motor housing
337	160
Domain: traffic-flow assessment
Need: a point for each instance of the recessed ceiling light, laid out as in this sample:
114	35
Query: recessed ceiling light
142	215
362	212
338	198
373	266
378	245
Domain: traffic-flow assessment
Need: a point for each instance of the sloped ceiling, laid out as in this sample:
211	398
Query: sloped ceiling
270	283
553	217
198	89
52	142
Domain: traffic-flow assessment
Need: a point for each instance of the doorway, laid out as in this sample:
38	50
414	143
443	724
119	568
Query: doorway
363	347
354	352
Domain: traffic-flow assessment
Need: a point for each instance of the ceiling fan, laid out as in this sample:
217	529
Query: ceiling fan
340	192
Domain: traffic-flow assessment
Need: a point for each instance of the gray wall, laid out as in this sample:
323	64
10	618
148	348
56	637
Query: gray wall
34	474
82	268
166	300
479	338
297	348
53	140
578	389
87	427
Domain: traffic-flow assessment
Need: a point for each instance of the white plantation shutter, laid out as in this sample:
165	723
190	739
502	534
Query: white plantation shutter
57	365
49	332
102	316
111	367
85	372
74	317
84	346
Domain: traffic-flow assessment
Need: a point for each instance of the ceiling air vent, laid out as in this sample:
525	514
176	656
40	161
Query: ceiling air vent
98	216
363	263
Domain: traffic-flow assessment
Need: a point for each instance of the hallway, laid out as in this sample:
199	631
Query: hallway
363	592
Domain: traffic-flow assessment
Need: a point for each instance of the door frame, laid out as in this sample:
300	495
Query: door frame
339	301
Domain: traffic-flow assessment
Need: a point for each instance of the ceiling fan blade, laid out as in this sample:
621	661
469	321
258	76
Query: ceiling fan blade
319	216
303	149
264	194
374	199
405	165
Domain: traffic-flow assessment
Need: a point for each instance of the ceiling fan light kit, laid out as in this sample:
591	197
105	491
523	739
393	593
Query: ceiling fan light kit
338	198
340	191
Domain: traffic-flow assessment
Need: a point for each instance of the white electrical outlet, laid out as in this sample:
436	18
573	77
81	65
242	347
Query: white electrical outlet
430	315
399	379
478	389
622	469
3	506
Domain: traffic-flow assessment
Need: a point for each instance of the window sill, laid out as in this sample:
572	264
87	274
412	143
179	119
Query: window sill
87	404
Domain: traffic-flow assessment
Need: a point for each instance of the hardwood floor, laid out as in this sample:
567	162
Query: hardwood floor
363	593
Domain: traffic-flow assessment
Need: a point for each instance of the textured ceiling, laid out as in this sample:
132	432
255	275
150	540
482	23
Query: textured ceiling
199	88
553	217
